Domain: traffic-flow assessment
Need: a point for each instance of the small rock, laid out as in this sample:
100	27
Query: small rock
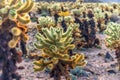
21	67
101	54
95	78
86	57
114	18
27	60
108	57
113	65
111	71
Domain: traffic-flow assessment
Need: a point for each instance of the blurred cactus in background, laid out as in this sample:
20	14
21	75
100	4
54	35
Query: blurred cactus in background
113	35
45	22
113	38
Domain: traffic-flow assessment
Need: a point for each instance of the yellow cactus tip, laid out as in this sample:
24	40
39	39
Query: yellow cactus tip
25	37
16	31
12	44
37	68
73	57
50	66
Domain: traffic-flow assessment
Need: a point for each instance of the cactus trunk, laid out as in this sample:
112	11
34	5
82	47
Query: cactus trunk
23	47
9	61
118	56
59	70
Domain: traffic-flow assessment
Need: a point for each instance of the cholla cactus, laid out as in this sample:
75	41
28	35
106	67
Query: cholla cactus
55	45
56	7
68	19
98	13
43	6
45	22
113	35
113	38
13	19
76	12
19	13
100	18
76	31
119	9
77	1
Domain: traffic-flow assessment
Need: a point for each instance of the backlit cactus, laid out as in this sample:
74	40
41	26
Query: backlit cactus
45	22
17	11
55	7
13	19
44	6
76	31
76	12
98	13
55	44
113	39
67	19
113	35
